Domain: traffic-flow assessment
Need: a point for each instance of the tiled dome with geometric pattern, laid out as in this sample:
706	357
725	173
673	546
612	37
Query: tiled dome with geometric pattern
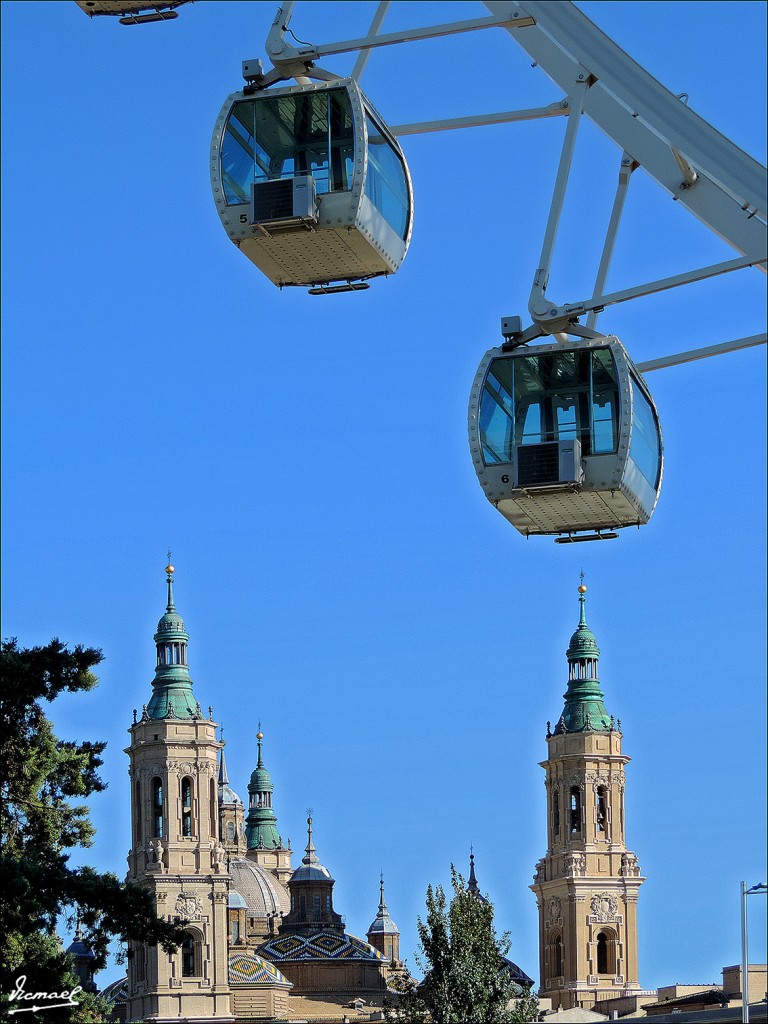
250	969
319	946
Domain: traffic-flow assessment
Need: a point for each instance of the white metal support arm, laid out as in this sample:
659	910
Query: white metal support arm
648	121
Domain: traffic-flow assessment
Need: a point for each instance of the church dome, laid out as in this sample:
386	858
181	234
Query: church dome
80	949
263	894
246	968
383	923
319	945
171	623
583	643
235	901
261	781
227	795
310	869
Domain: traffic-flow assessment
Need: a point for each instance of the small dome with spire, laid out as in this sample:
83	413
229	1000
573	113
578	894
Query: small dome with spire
311	869
583	643
472	885
584	709
261	822
170	621
382	924
227	795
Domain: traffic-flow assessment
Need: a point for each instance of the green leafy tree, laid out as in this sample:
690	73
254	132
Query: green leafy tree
466	975
42	783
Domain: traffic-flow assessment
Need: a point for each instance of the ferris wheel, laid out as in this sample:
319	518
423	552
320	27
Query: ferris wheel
312	186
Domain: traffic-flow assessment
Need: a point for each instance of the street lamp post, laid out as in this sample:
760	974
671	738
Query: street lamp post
760	887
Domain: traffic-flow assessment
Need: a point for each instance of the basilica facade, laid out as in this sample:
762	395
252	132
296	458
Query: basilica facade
263	940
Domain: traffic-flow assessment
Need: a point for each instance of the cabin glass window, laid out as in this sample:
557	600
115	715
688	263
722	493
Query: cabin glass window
555	385
554	396
644	449
604	396
496	423
277	137
386	183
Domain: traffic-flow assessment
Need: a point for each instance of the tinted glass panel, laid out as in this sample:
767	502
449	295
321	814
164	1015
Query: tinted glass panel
281	136
605	402
550	397
385	182
496	433
644	448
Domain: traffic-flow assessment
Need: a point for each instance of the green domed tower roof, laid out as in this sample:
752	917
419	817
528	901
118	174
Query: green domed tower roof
172	695
261	823
584	710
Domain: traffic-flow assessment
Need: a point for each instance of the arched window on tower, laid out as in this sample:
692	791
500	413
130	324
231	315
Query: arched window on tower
157	807
556	955
231	831
137	830
213	805
190	956
186	806
601	809
556	813
606	952
575	810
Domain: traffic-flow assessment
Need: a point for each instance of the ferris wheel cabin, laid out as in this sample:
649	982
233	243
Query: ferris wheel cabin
565	438
311	186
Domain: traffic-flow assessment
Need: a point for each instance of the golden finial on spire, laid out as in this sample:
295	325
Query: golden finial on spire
582	588
169	568
259	734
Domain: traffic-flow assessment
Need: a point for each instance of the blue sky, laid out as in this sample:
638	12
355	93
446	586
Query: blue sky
340	572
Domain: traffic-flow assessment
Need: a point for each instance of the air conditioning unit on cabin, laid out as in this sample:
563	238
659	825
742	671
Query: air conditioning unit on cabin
549	464
284	201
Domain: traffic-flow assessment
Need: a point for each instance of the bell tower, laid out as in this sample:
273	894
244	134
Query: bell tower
265	845
176	852
587	884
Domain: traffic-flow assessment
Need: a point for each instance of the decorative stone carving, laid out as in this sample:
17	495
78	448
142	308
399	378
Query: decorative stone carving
629	866
541	871
575	864
188	907
154	855
554	907
604	906
218	855
181	767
